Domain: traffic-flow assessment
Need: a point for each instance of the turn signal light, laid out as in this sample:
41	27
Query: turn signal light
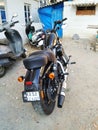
51	75
20	79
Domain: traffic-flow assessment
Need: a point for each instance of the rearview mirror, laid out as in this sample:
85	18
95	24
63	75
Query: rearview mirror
14	15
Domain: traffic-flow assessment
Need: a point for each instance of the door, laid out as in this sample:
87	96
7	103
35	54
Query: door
49	14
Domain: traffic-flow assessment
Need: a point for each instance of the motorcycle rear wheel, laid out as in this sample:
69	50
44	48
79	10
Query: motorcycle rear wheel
45	105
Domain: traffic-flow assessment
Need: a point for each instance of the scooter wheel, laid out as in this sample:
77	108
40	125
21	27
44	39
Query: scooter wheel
42	47
23	55
2	71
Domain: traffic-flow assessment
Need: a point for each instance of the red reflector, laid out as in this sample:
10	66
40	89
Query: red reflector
43	36
28	83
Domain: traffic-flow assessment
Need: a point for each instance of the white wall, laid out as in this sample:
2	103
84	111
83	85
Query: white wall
17	6
78	24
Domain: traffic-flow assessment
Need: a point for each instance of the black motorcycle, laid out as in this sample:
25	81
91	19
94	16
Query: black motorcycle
12	47
46	75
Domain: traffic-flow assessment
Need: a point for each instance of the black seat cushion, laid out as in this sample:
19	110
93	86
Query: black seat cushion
38	59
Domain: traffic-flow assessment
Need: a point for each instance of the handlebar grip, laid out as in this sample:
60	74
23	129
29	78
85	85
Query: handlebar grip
60	21
15	22
64	19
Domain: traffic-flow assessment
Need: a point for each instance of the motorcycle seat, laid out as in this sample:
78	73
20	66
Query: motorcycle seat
38	59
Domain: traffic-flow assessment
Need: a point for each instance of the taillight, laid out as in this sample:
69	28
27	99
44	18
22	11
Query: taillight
28	83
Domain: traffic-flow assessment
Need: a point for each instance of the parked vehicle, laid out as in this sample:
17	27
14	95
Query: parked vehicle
46	75
34	36
13	48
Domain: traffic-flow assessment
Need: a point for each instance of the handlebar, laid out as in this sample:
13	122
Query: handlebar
16	22
7	25
58	22
29	23
13	23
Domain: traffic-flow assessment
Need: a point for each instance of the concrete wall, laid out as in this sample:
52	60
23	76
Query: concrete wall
78	24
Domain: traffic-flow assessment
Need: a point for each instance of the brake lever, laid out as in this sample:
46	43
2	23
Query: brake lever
73	63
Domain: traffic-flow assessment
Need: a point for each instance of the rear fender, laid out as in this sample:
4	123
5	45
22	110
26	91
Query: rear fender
32	76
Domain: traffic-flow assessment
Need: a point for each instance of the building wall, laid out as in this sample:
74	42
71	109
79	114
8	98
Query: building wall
77	24
17	6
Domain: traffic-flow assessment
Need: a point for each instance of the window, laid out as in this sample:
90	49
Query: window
27	12
85	10
2	13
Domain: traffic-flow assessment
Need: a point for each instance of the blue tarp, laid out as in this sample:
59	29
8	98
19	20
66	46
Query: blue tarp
50	14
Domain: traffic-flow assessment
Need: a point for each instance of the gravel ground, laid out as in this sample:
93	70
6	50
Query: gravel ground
80	109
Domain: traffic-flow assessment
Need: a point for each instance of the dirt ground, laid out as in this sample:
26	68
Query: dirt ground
80	109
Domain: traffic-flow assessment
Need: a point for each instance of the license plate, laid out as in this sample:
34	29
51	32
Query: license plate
31	96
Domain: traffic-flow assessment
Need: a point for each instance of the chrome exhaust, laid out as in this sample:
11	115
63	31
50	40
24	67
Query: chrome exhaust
61	96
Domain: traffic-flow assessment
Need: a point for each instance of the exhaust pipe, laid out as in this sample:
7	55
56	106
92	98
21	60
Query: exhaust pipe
61	96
